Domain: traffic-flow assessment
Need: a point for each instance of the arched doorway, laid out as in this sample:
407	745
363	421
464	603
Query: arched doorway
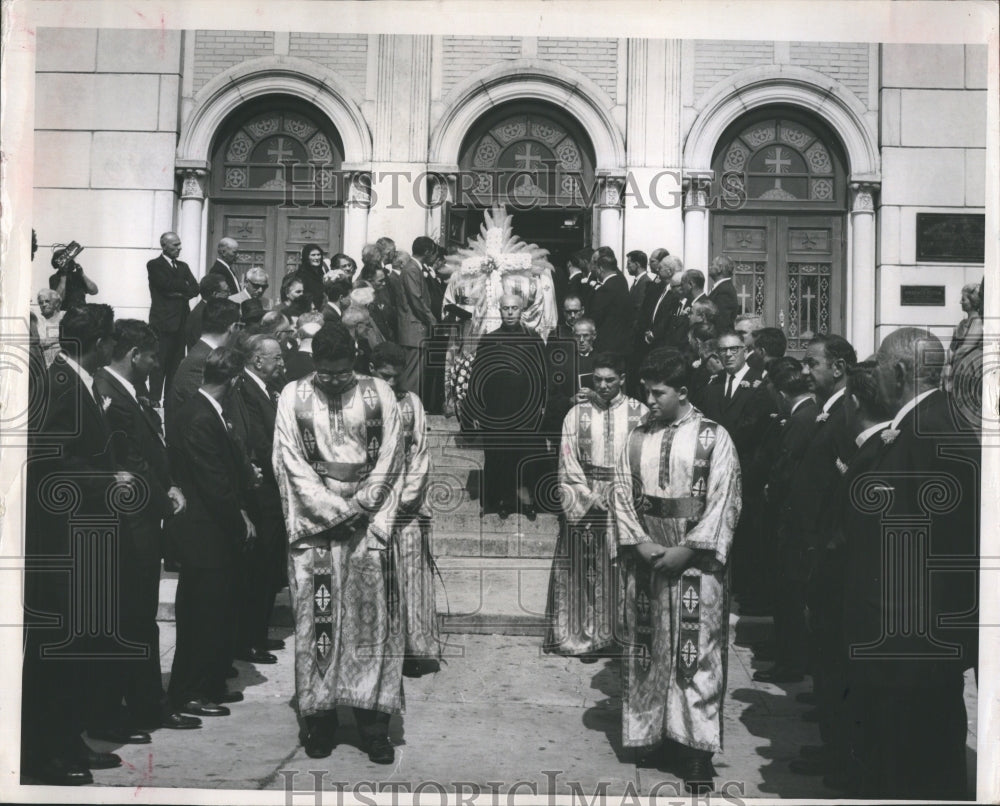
276	185
784	172
538	162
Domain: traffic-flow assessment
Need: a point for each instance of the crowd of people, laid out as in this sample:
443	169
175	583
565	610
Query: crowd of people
688	458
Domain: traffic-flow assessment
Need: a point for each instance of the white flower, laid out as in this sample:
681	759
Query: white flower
841	466
744	384
822	417
889	435
105	403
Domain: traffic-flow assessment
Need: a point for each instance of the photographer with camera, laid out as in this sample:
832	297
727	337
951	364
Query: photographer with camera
69	280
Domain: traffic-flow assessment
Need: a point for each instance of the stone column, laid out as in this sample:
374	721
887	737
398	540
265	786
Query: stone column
611	215
696	188
860	289
440	195
356	215
192	209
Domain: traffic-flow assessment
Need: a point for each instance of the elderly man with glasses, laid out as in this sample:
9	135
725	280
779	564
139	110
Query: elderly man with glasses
254	285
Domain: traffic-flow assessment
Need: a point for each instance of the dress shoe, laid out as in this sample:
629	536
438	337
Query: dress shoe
100	761
503	512
819	765
319	743
177	721
232	673
589	657
778	674
202	708
531	513
257	656
274	643
60	772
764	652
699	776
119	735
380	750
806	697
230	696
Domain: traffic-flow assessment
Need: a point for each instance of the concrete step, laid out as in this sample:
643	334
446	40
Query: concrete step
483	595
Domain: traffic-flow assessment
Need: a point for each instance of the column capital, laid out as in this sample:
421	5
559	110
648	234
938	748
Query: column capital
611	190
192	182
359	191
696	188
863	196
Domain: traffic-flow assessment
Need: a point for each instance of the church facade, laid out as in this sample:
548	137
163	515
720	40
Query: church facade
845	179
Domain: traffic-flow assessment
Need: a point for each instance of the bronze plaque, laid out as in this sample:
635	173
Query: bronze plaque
951	237
921	295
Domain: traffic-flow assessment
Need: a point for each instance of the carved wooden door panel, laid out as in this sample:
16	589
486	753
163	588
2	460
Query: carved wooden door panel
252	225
789	271
298	227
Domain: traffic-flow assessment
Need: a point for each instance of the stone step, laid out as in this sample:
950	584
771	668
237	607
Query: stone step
484	595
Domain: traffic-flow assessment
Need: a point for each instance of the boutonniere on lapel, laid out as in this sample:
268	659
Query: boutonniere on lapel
745	385
822	417
841	467
757	383
105	403
889	435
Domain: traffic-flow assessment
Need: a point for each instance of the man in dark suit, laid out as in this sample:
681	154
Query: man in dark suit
577	270
224	263
723	292
299	363
72	668
414	317
263	377
746	325
611	308
437	345
211	286
738	400
210	537
171	285
636	264
793	427
219	322
908	646
338	297
572	310
139	447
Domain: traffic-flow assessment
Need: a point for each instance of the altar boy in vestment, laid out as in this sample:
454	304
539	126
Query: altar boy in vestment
676	504
412	528
584	585
337	458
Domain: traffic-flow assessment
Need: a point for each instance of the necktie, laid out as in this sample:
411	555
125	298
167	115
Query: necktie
729	386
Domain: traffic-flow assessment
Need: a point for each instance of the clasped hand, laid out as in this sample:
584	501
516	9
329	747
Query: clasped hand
671	560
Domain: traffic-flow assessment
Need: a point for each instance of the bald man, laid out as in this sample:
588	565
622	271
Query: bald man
171	285
225	263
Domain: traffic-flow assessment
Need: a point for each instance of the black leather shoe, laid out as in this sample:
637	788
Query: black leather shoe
380	750
177	721
412	667
503	512
232	673
778	674
274	643
202	708
257	656
60	772
699	776
319	743
101	761
588	657
764	652
119	735
531	513
230	696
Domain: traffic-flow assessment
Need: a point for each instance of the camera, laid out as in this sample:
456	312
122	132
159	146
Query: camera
63	259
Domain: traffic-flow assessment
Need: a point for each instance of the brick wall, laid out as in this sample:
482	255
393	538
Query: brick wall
595	58
345	54
216	51
464	55
715	60
847	62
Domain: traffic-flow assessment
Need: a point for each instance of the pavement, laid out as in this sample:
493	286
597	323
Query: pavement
500	717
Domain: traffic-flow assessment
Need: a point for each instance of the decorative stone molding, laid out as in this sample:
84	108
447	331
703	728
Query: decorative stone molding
611	191
359	193
193	181
794	86
528	79
863	197
696	190
271	75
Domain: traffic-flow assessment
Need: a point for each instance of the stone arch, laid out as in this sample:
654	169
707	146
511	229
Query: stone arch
794	86
284	75
528	79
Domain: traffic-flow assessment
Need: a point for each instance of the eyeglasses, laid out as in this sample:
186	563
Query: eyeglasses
323	377
258	285
731	349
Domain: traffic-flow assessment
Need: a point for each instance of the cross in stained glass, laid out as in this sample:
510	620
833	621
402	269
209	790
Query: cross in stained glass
807	297
776	164
279	155
527	160
744	295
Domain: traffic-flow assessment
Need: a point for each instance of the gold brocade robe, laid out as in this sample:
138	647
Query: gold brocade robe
701	510
412	535
348	638
584	587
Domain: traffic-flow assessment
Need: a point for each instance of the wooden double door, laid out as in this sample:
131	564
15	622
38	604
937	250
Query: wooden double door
272	237
789	270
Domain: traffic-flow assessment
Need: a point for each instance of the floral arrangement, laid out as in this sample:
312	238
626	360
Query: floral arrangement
458	377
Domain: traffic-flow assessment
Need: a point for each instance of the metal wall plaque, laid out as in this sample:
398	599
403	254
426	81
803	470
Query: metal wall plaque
921	295
951	237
